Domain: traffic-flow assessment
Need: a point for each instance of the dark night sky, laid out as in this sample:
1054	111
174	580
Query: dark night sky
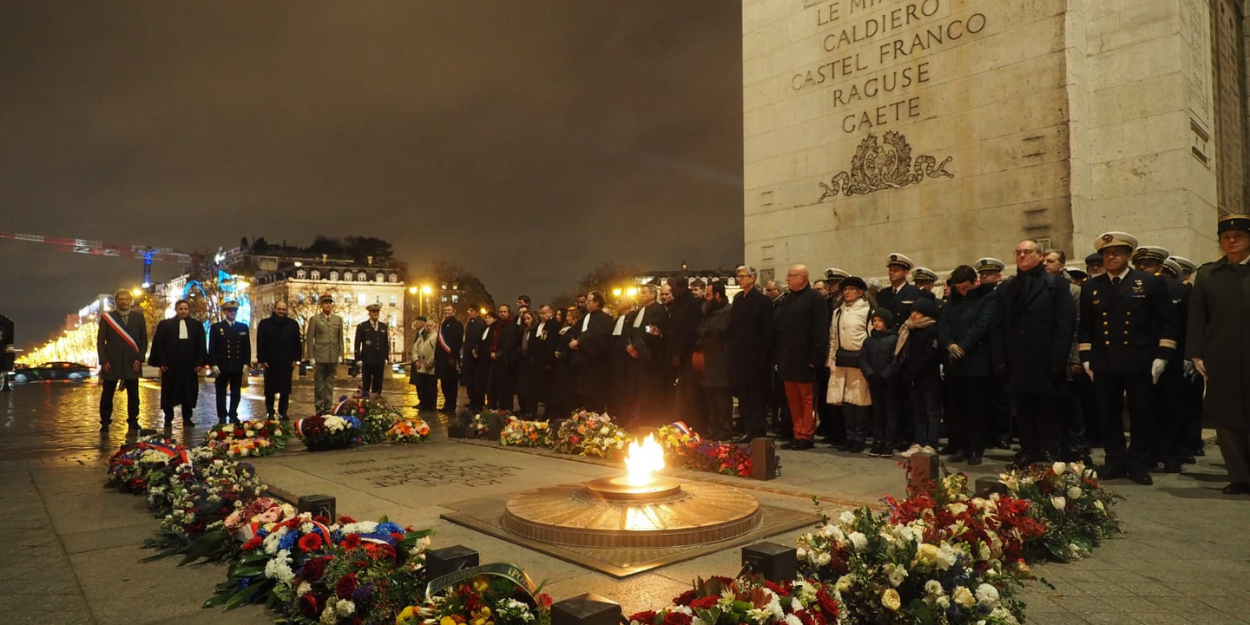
527	141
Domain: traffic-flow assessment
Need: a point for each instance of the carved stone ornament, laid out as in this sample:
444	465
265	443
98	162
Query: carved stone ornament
876	167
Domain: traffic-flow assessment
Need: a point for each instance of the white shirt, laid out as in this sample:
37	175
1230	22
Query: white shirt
638	320
620	326
1120	276
485	332
539	330
182	329
586	323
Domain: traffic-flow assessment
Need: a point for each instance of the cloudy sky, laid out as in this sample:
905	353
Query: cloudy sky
525	140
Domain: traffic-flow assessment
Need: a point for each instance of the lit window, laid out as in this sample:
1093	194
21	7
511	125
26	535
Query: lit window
347	276
361	277
316	274
301	274
379	278
392	278
334	275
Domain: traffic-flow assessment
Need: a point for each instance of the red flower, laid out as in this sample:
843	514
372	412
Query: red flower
321	518
255	542
685	598
828	607
397	536
343	518
677	618
309	606
346	586
313	569
350	541
310	542
644	617
704	603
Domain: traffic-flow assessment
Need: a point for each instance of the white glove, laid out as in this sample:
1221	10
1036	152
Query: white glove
1156	369
1089	372
216	371
1200	366
312	361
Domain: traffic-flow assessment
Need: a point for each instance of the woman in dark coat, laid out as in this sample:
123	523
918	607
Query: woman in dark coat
963	334
481	356
525	391
921	359
180	349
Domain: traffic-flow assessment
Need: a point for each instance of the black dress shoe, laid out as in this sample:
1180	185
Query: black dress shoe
1173	466
948	451
741	439
1200	452
1140	477
1003	443
958	456
974	458
856	447
799	444
1237	488
1190	460
1112	472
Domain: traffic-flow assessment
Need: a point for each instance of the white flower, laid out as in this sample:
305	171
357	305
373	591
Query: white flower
847	517
1059	503
1059	468
279	568
758	615
795	604
1074	493
858	541
943	602
1101	508
933	587
304	588
956	508
345	607
844	583
963	597
824	559
1010	481
800	553
896	574
987	595
793	620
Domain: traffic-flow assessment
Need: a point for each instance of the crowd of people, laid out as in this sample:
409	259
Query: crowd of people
1047	359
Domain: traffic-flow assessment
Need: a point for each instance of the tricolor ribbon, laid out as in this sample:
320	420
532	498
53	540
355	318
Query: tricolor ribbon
117	327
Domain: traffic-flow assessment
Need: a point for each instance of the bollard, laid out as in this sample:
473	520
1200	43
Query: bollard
775	562
439	562
318	505
494	425
763	459
587	609
923	473
985	486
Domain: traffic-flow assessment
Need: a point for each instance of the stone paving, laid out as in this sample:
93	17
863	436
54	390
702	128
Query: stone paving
76	546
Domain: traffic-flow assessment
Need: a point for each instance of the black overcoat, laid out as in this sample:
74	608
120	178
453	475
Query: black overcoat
802	344
1219	334
1032	330
750	336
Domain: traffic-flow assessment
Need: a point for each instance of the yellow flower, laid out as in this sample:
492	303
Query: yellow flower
403	616
891	600
447	620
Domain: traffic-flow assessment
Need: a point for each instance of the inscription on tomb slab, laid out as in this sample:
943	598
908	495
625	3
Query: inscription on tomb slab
467	473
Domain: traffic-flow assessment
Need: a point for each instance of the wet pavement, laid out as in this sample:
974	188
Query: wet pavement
59	421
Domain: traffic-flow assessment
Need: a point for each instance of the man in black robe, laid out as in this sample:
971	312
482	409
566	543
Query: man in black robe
590	354
179	349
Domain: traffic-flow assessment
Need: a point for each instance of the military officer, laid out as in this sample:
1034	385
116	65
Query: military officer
373	345
1149	258
924	278
1218	345
323	346
1194	386
1127	334
1188	268
990	270
229	355
900	295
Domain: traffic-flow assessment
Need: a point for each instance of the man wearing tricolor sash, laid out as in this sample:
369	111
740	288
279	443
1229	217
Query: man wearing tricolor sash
447	357
121	343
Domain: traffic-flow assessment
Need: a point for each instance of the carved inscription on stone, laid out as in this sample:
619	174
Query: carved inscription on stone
468	473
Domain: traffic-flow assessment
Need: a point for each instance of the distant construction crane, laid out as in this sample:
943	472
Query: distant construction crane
102	248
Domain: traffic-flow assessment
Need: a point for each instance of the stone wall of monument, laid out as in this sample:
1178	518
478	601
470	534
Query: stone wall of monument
937	128
950	129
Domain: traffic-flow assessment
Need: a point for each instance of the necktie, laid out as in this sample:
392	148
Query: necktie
1115	281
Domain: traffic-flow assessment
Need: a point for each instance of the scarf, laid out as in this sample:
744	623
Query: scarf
905	330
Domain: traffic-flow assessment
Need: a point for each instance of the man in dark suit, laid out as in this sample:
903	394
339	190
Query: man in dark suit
623	390
121	342
447	357
373	346
229	356
543	360
684	315
590	353
648	332
750	353
802	348
278	350
1031	341
180	350
505	356
474	328
1128	332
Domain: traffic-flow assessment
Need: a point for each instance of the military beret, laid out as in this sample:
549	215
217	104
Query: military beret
1115	239
229	304
989	264
833	273
1236	221
1093	259
854	281
1188	265
899	260
327	298
1151	252
1171	266
923	274
373	307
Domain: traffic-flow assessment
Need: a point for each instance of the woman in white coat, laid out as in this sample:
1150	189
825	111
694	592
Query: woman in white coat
848	388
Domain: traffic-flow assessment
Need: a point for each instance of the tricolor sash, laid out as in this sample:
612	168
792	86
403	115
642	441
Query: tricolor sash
441	342
117	327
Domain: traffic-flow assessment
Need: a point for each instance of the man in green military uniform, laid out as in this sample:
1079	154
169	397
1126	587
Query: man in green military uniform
1218	343
323	346
229	354
373	344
